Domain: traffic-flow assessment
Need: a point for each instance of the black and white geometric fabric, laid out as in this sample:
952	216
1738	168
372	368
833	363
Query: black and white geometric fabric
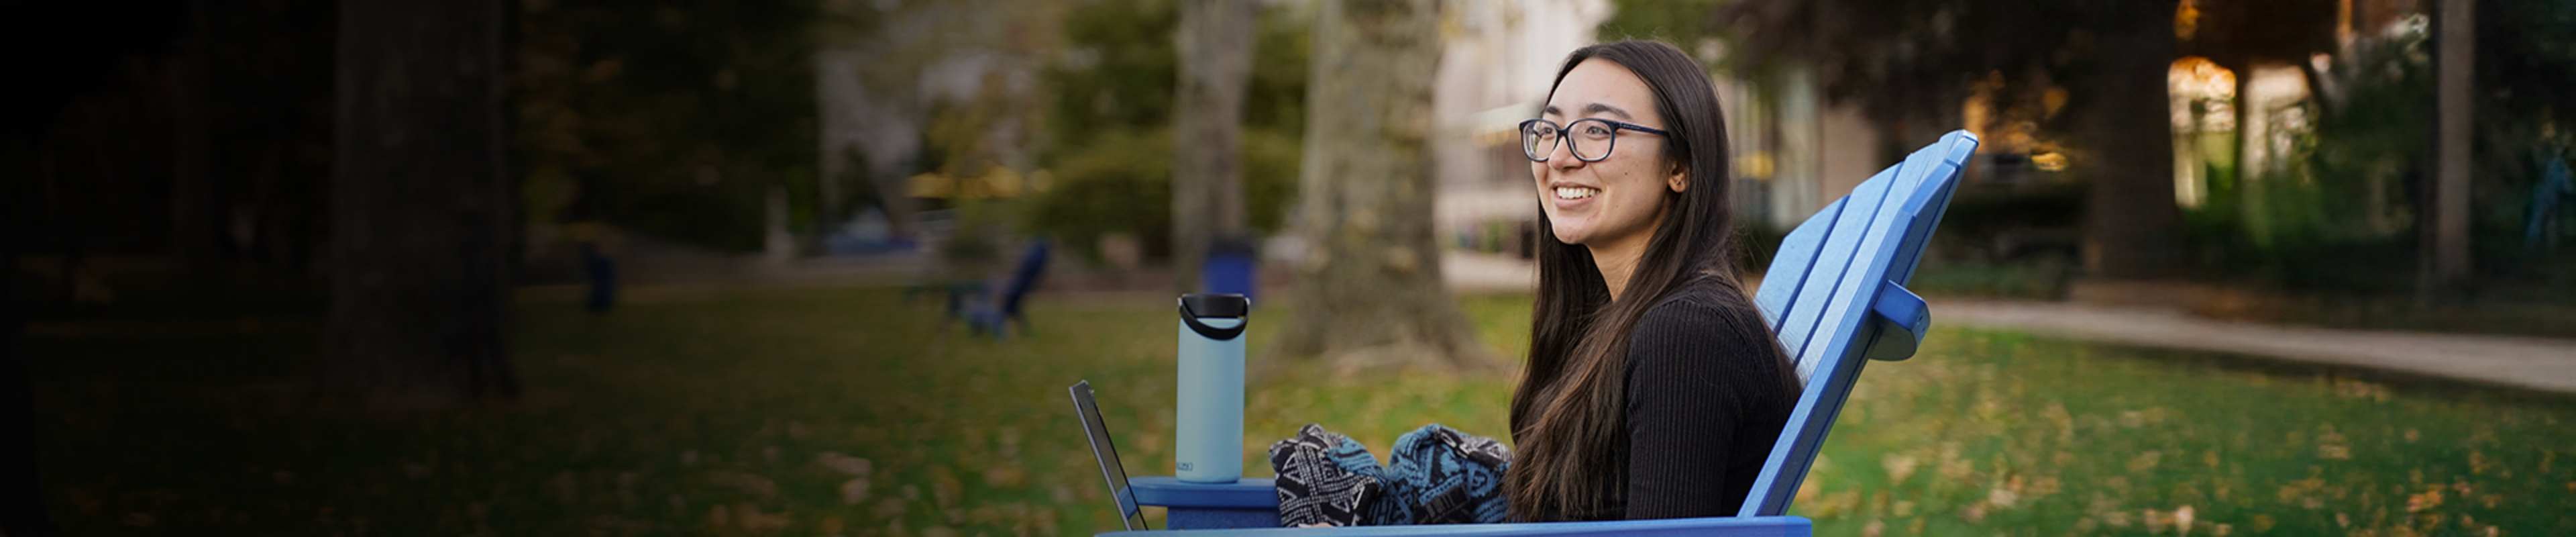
1436	476
1325	479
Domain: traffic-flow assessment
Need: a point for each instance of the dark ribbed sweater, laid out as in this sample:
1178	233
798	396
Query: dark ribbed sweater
1707	395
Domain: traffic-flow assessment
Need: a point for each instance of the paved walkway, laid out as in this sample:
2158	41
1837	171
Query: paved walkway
2536	363
2526	362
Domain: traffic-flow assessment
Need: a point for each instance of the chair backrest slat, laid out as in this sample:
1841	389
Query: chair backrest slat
1797	250
1807	325
1821	289
1024	277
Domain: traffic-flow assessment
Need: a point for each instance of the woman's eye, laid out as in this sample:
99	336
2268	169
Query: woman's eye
1596	131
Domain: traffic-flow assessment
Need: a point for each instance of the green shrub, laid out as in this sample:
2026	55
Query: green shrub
2041	279
2003	223
1121	182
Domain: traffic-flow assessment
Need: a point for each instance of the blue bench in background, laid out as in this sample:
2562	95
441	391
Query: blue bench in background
1835	295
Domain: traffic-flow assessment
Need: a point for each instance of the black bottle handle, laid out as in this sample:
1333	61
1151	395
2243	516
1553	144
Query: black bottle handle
1210	332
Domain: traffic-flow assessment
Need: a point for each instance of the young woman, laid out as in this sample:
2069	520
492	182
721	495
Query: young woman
1653	389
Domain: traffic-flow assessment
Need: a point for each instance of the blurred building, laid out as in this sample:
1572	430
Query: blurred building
2244	124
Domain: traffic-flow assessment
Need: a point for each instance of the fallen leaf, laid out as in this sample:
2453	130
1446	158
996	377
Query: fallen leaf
749	518
2001	497
846	464
2145	461
1899	466
754	485
1005	476
854	491
944	488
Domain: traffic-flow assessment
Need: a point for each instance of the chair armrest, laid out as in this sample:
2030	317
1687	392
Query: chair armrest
1245	503
1761	526
1902	318
1168	491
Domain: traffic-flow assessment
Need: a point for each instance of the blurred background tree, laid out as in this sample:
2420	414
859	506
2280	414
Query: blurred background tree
672	118
1109	125
420	206
1215	45
1370	293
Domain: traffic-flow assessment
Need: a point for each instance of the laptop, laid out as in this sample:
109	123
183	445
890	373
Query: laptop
1093	427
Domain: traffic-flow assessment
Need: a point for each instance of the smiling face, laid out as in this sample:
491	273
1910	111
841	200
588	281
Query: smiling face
1619	199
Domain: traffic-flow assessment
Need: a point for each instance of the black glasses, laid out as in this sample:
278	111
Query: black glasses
1591	139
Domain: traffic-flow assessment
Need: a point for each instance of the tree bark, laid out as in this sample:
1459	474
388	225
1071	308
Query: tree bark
2132	224
2454	75
196	221
420	205
22	490
1369	292
1215	45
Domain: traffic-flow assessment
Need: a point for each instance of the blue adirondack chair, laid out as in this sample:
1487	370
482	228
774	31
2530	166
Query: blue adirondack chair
992	311
1835	295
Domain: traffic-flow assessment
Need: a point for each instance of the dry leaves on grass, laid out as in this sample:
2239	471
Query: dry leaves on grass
2145	461
945	490
854	491
746	517
2331	445
757	486
1899	466
861	471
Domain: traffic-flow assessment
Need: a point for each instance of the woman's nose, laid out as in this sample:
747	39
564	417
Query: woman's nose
1562	157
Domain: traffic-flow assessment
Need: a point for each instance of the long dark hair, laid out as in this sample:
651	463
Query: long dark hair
1568	415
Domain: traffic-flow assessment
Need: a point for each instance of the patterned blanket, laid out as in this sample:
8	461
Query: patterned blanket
1437	475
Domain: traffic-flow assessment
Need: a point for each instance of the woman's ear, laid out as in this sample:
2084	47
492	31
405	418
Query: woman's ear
1679	181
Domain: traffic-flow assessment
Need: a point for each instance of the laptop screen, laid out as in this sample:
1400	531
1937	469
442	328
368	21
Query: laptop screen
1107	452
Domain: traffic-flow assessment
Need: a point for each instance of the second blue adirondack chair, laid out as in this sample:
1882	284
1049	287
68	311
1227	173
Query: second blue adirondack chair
1834	295
994	310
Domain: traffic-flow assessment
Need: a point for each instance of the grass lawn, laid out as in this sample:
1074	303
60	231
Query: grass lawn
831	411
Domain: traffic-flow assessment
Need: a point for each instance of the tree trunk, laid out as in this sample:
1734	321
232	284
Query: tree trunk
2453	74
420	208
22	490
196	221
1215	45
1369	292
868	132
2132	225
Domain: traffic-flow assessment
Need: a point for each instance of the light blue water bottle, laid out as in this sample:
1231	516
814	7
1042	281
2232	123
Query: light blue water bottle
1209	439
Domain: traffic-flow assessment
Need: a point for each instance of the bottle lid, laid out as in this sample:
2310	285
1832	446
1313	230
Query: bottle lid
1216	305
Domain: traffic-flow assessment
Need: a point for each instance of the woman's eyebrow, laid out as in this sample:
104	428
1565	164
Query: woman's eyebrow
1590	109
1596	108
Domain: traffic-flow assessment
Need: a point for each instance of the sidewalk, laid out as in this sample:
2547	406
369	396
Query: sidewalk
2525	362
2535	363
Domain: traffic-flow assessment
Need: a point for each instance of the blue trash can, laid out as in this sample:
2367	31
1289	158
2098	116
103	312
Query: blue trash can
1229	267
